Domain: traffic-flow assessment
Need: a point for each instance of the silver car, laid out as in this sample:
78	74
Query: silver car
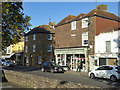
106	71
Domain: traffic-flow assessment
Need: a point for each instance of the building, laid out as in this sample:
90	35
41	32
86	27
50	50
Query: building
15	51
74	36
107	48
39	46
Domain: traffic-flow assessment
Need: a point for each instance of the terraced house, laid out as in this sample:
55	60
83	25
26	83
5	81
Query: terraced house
39	43
75	37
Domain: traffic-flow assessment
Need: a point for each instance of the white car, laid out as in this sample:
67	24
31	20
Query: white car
106	71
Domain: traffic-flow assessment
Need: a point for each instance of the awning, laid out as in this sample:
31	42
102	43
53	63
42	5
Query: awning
8	56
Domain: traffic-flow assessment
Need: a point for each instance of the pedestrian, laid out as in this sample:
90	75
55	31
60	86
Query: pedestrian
78	66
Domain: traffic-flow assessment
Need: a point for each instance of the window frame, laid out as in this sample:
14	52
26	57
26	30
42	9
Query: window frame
39	59
34	36
26	39
73	25
83	39
34	48
50	36
84	22
108	50
26	48
49	46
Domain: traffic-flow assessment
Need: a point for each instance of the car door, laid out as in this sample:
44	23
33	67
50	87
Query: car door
107	71
99	72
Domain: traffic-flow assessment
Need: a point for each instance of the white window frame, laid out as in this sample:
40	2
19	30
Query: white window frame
26	48
50	36
84	22
39	59
26	38
33	36
83	38
49	46
107	46
34	48
73	25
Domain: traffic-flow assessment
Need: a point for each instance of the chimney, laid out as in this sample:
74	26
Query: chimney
102	7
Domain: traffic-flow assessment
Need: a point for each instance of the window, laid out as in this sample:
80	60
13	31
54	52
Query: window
33	36
26	38
27	61
49	37
73	25
108	46
39	59
34	48
49	48
84	22
26	48
85	39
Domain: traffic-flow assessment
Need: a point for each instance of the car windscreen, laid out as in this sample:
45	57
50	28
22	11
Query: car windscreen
118	67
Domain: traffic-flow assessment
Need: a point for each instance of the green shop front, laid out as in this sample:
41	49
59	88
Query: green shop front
71	56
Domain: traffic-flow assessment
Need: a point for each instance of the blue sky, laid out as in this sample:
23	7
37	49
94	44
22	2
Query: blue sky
40	12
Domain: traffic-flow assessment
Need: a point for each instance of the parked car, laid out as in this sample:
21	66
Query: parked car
49	66
106	71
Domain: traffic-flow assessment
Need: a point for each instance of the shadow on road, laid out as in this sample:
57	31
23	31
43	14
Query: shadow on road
21	68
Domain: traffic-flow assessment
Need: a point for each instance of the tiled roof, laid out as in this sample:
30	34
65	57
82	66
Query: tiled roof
110	29
66	19
96	12
40	29
103	14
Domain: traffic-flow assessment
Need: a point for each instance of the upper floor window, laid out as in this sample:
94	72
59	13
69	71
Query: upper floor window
26	38
85	39
73	25
108	46
84	22
33	36
39	59
49	36
34	48
26	48
49	48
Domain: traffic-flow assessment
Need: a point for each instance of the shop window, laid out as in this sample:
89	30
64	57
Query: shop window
39	59
84	22
73	25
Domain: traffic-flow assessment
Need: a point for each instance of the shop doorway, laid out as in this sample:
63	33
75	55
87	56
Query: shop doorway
68	60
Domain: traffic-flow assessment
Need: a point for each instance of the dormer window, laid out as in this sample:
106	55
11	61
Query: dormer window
73	25
84	22
49	36
33	36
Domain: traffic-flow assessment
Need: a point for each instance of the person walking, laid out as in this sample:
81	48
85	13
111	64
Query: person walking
78	66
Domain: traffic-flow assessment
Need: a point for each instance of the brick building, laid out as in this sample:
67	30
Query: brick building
39	43
74	36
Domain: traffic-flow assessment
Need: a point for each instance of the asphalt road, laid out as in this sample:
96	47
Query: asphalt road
83	79
76	78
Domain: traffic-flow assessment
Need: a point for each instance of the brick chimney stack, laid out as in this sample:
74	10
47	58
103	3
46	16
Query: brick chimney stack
102	7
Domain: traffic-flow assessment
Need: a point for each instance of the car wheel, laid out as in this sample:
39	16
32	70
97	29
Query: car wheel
42	69
52	71
113	78
92	76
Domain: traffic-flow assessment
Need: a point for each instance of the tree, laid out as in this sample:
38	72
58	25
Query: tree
14	23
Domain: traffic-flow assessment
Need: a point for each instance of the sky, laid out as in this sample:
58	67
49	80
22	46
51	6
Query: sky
43	12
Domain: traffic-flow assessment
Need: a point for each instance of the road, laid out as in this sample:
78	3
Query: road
83	79
76	78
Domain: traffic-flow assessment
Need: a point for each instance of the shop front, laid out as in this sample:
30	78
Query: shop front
70	57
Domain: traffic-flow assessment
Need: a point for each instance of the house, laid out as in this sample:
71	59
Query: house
39	46
107	48
15	51
74	37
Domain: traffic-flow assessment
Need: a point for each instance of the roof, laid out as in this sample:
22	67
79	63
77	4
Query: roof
66	19
103	14
94	12
110	29
40	29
